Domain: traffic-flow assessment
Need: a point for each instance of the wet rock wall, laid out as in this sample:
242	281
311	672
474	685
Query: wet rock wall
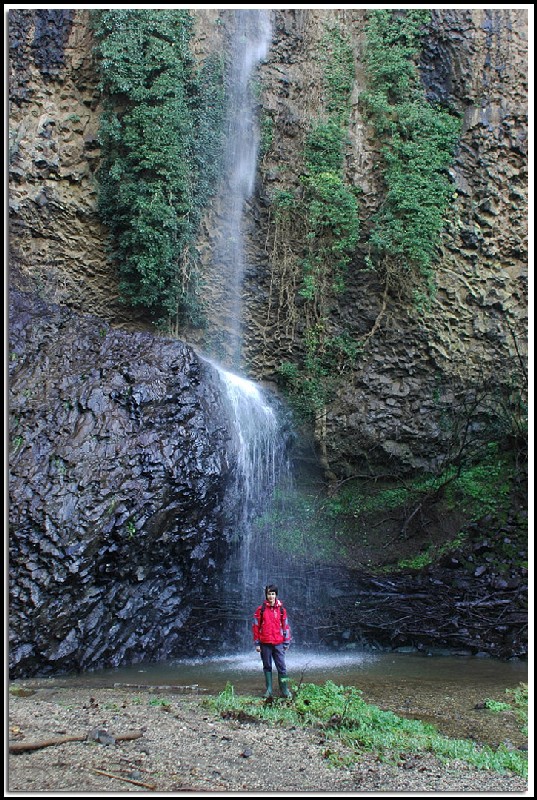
119	515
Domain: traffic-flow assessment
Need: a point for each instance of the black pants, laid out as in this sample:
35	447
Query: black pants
276	652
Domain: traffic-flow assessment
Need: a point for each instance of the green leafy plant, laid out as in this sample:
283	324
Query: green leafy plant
418	142
517	702
17	442
159	701
345	717
161	137
496	705
328	215
481	488
329	205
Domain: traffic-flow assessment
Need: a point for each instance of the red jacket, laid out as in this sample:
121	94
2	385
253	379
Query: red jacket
270	624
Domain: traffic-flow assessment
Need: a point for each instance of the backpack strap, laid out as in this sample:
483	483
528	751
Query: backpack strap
263	606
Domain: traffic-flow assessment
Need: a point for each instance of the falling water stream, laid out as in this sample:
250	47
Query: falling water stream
250	43
261	466
259	444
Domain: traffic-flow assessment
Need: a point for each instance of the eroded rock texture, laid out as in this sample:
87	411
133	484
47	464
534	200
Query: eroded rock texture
119	516
58	246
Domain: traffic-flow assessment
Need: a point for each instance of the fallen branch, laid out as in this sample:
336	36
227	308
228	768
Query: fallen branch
21	747
127	737
127	780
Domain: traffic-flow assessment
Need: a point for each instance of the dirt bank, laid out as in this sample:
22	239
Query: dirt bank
186	747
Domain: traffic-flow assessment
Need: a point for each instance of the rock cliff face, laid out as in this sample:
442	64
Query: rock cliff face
120	507
57	245
119	511
390	405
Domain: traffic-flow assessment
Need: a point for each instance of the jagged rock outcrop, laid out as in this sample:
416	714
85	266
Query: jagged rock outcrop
57	244
119	505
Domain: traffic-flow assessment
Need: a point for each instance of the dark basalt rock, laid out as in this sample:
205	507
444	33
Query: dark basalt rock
52	28
118	510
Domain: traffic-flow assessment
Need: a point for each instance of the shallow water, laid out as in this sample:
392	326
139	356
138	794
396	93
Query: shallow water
443	690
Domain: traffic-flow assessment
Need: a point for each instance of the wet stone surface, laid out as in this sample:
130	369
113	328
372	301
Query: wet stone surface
118	501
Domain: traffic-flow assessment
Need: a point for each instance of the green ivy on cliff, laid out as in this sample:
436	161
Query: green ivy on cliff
331	210
329	204
327	208
418	142
161	137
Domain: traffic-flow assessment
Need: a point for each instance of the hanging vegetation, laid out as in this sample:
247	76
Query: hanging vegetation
417	145
418	142
328	214
161	137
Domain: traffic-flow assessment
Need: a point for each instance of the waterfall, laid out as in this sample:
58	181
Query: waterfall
259	450
258	423
257	444
249	45
265	525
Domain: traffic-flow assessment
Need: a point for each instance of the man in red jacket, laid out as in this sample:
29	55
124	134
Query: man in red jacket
272	636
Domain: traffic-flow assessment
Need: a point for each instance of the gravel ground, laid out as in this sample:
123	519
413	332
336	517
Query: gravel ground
185	747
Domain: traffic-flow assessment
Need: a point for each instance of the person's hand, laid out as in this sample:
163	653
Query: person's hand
285	647
258	648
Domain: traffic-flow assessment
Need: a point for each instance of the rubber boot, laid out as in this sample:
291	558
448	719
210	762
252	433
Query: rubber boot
268	684
283	682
